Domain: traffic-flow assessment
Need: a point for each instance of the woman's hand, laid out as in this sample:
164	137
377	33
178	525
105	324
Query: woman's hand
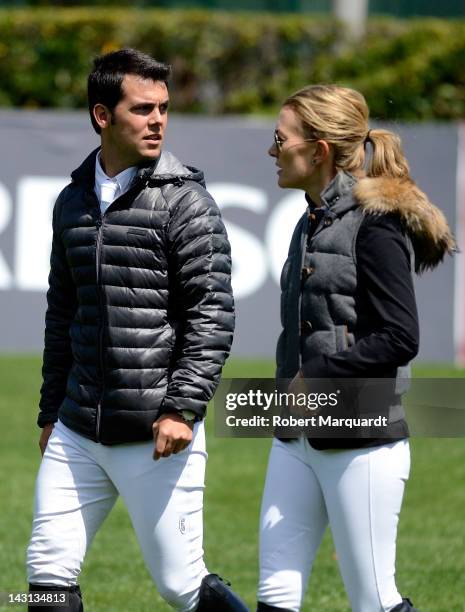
44	436
298	384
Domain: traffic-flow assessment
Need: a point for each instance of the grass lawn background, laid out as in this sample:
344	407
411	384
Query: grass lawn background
431	542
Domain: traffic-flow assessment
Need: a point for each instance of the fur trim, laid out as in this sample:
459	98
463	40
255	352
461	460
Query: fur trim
423	221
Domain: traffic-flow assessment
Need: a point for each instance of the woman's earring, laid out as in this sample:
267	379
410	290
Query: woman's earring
314	161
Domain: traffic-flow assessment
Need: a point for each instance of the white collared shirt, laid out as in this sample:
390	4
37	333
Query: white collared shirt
108	189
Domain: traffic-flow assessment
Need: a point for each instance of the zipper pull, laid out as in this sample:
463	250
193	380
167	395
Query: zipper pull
98	223
178	181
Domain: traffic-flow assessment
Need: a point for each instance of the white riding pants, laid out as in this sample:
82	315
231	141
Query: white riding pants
78	484
359	494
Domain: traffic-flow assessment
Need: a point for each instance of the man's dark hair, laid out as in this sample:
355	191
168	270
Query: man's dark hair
104	85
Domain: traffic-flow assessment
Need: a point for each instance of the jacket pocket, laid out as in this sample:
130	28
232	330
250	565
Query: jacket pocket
137	231
138	237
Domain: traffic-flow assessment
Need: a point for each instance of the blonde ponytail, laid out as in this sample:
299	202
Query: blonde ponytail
387	157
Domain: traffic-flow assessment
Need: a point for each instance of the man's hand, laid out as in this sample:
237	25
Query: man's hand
44	436
171	435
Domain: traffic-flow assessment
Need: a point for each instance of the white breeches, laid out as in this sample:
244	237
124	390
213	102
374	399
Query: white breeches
359	494
77	485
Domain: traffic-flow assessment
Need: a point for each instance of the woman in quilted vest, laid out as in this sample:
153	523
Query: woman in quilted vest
349	316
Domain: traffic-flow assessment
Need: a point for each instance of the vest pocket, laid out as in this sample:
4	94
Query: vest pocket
344	339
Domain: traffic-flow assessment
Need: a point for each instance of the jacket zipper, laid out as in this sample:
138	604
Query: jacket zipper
98	225
101	302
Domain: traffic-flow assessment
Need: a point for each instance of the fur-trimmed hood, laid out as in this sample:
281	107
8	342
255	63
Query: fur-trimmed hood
424	222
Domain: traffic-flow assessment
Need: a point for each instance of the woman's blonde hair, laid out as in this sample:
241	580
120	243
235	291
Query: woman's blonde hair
339	116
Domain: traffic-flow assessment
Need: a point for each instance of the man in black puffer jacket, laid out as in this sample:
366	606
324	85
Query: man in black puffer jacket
139	323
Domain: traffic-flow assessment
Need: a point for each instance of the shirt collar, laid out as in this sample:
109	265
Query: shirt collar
311	204
123	179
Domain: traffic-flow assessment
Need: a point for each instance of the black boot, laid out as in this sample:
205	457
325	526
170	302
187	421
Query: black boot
74	601
216	596
405	606
263	607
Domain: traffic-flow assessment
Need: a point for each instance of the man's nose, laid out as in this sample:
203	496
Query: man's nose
155	117
273	151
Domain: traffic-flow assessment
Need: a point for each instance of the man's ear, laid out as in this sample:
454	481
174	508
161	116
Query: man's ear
102	116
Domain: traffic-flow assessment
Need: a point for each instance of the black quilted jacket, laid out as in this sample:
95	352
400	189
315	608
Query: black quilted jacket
140	311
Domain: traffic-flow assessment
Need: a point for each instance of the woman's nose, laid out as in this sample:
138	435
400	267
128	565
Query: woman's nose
272	151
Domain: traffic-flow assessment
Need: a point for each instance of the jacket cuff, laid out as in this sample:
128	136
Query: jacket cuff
172	405
45	418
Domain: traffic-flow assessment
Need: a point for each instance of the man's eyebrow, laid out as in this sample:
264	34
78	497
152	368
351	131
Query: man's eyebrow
150	103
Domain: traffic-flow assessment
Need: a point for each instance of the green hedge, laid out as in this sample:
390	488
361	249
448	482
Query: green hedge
237	63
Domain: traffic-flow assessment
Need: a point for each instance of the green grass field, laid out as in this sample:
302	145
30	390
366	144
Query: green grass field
431	543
